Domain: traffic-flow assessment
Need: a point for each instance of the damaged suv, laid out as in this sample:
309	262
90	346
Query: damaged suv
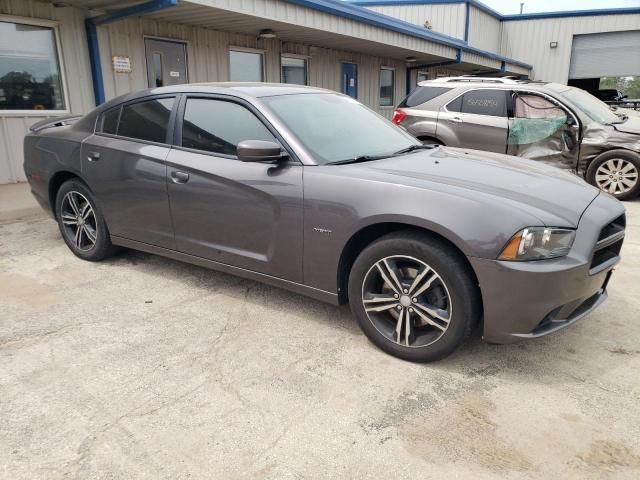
548	122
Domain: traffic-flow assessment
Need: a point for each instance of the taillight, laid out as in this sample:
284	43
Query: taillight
398	117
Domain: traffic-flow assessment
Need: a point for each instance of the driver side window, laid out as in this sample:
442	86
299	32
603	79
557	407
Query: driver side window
218	126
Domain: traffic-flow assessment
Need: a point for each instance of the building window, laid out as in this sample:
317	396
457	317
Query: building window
387	84
245	66
294	70
422	76
30	77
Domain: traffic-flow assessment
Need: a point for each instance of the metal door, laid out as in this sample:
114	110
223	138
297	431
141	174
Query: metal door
166	62
350	79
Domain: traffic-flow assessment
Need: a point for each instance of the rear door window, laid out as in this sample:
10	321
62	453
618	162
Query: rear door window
147	120
218	126
481	102
422	95
109	121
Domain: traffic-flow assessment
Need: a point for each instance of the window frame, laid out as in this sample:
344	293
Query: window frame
306	67
393	87
170	125
179	119
262	53
508	102
54	26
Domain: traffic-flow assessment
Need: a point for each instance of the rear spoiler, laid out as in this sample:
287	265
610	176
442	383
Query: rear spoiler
54	122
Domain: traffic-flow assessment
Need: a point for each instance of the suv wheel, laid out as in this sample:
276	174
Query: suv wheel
616	172
413	296
81	224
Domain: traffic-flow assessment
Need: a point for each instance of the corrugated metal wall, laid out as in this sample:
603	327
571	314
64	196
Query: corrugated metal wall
528	40
208	59
484	30
448	19
78	79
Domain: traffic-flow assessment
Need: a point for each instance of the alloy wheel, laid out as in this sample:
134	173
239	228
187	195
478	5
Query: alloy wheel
407	301
617	176
79	221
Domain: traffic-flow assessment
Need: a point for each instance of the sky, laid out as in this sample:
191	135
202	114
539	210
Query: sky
531	6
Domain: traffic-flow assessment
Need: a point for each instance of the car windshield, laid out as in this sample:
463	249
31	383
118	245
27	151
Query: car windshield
335	128
595	109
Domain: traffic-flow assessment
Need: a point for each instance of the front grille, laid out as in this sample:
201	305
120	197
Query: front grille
607	249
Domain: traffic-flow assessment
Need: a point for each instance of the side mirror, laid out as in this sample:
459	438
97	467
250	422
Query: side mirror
259	151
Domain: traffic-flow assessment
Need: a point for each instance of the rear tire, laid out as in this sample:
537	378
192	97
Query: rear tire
616	172
414	296
81	222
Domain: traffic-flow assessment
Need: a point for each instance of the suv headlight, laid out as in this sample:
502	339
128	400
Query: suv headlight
538	243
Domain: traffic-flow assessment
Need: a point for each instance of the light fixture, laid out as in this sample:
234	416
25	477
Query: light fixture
411	59
267	33
553	44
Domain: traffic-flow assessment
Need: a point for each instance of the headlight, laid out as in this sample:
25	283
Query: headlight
538	243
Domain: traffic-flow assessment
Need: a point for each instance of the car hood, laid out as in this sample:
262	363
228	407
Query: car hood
556	197
632	125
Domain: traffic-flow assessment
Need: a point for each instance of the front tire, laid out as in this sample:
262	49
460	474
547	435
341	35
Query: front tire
414	296
616	172
81	223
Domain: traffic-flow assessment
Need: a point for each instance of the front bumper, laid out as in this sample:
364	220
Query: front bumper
532	299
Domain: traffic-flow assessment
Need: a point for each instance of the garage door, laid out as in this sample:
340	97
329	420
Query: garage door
613	54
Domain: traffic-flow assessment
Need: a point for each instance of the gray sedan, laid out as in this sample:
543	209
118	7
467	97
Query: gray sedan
311	191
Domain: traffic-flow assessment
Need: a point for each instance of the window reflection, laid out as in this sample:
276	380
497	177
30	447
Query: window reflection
29	68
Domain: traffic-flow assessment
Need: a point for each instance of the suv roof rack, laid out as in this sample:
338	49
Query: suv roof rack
473	79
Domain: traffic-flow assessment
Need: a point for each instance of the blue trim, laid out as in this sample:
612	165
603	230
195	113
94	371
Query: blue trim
91	25
94	60
467	11
359	14
494	13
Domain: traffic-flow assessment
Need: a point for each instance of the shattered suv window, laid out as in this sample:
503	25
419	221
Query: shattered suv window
535	118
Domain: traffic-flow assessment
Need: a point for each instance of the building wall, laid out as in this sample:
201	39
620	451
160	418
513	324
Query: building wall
75	64
528	40
484	30
208	59
207	54
448	18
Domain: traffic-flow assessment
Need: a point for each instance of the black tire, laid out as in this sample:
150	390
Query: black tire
596	167
87	249
459	283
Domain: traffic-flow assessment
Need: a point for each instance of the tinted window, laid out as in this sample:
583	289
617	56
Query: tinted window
481	102
386	87
218	126
246	66
423	94
29	68
147	120
109	121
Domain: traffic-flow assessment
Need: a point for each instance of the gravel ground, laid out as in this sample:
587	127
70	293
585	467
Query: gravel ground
143	367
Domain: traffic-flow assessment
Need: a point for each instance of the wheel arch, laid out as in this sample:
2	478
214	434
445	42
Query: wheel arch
369	234
430	138
55	182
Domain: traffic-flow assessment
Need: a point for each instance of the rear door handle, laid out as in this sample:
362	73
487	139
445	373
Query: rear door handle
93	156
179	177
456	120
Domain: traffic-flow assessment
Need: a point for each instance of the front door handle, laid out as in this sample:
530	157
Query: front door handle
179	177
456	120
93	156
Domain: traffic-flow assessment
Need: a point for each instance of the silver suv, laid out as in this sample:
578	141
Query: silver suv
549	122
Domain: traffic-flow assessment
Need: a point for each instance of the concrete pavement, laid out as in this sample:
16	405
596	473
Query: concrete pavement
143	367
